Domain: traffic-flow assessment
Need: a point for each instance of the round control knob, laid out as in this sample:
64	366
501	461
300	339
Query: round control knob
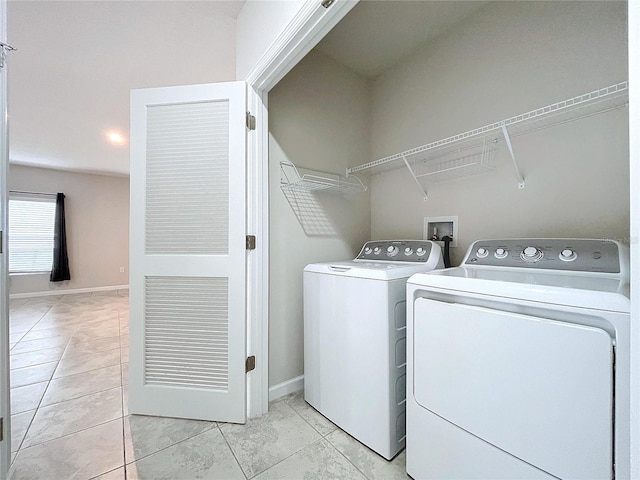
368	250
392	251
420	251
500	253
482	252
408	251
531	254
377	251
567	255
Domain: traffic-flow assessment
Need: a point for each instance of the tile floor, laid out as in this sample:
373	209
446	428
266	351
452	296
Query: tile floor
70	421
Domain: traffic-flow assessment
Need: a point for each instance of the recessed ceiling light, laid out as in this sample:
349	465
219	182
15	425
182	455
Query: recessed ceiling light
115	137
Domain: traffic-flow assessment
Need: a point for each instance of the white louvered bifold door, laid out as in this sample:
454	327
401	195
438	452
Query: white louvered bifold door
188	275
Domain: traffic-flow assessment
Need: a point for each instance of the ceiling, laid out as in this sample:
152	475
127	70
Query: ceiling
76	62
376	35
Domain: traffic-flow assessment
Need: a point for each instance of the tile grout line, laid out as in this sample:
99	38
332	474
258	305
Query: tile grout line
124	446
70	433
308	422
37	409
35	351
124	449
347	458
34	382
325	437
232	452
48	382
81	396
172	445
283	400
26	432
289	456
28	331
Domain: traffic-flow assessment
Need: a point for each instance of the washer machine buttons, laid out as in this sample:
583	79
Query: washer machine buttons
500	253
408	251
531	254
482	252
568	255
420	252
392	251
377	250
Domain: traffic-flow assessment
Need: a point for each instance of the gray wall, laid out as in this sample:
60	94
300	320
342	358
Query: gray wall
510	58
318	119
97	220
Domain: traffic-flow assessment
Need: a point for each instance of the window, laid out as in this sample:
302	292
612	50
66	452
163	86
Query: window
31	228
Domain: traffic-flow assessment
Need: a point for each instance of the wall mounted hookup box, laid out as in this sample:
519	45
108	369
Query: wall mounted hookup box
437	227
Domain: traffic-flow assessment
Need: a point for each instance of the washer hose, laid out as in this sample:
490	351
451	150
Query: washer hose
445	256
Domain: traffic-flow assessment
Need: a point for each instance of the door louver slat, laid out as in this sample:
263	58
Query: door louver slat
187	178
193	350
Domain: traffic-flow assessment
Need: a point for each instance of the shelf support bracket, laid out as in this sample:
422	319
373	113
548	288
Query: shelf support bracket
507	139
422	190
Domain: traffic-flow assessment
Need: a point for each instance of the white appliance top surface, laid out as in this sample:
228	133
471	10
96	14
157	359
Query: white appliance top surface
386	260
372	270
600	292
582	272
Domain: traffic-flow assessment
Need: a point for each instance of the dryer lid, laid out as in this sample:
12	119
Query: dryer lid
599	292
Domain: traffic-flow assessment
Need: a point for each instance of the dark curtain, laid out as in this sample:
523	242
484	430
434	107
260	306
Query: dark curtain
60	269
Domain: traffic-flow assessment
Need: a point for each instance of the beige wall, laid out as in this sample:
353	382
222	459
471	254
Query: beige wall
97	220
318	119
509	58
259	24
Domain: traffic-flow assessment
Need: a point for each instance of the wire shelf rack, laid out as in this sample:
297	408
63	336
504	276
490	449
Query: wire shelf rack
452	157
470	158
291	180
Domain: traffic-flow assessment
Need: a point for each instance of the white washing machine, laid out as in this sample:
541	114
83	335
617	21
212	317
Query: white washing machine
518	363
355	339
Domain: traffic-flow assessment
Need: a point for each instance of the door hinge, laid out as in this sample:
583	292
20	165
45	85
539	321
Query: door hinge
327	3
251	121
251	242
1	239
1	429
250	364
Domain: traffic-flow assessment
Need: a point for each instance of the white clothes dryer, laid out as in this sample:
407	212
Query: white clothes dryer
518	363
355	339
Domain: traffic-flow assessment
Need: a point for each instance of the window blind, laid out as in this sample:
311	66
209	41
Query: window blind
31	229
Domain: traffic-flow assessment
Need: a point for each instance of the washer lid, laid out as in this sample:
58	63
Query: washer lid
372	270
598	292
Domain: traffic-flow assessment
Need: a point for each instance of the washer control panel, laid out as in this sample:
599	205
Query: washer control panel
415	251
578	255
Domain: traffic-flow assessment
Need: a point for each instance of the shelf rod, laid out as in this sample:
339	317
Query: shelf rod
592	98
415	178
507	140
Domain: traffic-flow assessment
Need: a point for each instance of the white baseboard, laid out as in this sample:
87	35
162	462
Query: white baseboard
285	388
68	291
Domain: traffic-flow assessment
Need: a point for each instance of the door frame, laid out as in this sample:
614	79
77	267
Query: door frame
310	24
5	400
633	30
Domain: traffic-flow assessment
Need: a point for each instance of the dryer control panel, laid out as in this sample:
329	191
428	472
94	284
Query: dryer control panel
413	251
577	255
